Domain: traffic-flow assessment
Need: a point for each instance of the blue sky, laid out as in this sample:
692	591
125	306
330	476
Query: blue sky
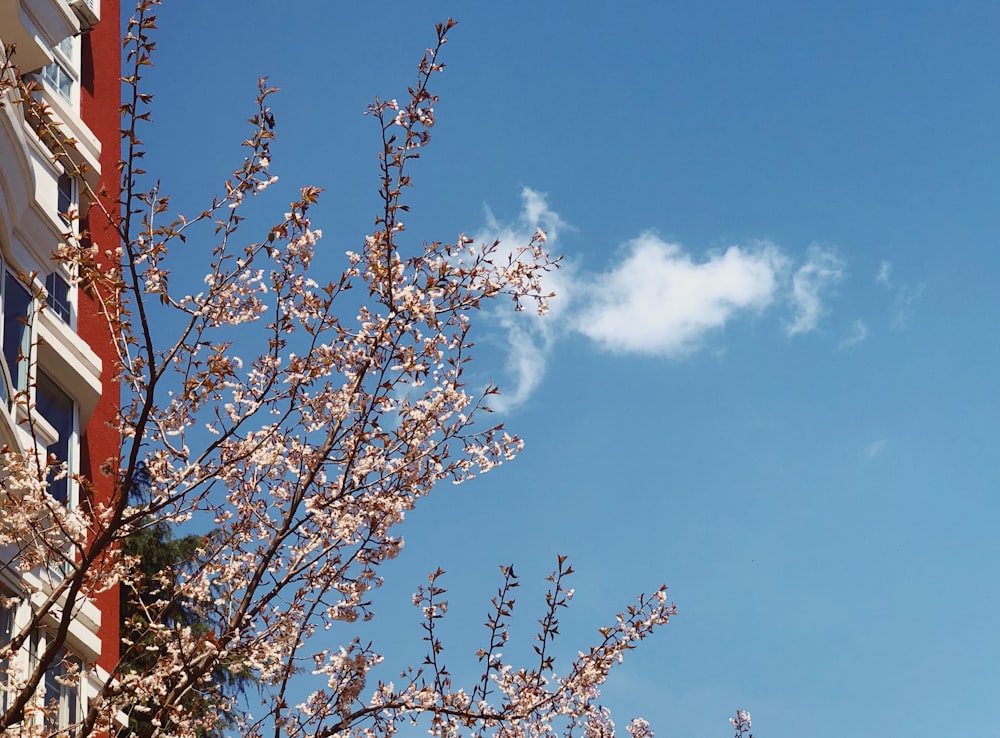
769	380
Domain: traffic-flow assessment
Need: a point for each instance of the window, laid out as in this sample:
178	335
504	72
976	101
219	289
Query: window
53	404
59	74
61	686
62	692
60	79
6	635
15	304
66	46
58	296
67	197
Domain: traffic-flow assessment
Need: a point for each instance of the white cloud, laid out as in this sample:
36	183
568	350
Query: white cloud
529	336
658	300
884	274
822	270
526	359
535	213
859	332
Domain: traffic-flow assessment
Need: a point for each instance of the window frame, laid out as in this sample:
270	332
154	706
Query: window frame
62	75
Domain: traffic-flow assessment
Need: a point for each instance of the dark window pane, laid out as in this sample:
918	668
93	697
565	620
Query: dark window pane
6	634
16	304
58	299
67	192
57	408
61	698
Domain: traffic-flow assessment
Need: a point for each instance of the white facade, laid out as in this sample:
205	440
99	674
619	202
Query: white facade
45	365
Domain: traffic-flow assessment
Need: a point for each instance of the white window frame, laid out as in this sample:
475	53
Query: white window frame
63	74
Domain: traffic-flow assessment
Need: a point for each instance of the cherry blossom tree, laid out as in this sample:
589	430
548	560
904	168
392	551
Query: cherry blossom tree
291	423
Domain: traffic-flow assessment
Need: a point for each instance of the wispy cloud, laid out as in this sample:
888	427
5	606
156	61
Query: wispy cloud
529	336
535	213
884	274
875	448
859	332
655	297
658	300
904	305
905	298
527	356
822	270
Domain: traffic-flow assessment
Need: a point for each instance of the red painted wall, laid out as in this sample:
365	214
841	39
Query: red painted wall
100	102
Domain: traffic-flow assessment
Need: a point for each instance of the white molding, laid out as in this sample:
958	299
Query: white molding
65	357
82	638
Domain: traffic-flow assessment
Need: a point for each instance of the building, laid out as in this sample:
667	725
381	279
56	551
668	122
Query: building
58	354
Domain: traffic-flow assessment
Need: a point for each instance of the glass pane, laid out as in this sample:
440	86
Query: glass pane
65	85
57	408
16	338
56	703
59	78
58	297
66	47
52	685
50	72
67	201
6	633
